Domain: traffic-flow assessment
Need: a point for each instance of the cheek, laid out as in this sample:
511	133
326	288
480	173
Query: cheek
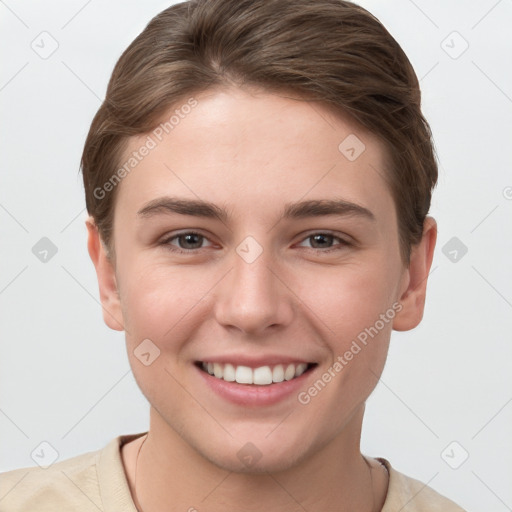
350	299
160	304
354	309
158	301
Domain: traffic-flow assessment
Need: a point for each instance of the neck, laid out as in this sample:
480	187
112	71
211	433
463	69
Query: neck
336	477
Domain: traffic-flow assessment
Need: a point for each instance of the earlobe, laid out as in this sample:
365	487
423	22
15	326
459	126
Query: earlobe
110	302
414	289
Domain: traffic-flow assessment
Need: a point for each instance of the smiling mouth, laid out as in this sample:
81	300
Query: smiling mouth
261	376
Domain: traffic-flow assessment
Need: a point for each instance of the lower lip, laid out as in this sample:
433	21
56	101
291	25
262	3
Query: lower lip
254	395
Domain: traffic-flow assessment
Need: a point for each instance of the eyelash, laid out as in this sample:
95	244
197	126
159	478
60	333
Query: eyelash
342	242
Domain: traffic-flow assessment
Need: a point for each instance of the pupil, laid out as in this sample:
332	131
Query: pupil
195	240
189	240
320	238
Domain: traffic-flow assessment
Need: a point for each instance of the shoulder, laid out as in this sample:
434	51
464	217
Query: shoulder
410	495
71	484
59	486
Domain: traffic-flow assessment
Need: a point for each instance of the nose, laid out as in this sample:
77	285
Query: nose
254	296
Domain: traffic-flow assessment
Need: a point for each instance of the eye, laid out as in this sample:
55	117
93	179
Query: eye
191	241
185	242
324	242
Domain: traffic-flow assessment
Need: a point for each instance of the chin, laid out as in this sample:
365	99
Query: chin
264	465
258	457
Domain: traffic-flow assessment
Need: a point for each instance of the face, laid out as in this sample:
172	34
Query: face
250	244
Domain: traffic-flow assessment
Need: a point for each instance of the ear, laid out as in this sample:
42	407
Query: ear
110	302
414	287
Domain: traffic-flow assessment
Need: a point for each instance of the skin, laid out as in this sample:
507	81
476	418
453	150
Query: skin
252	152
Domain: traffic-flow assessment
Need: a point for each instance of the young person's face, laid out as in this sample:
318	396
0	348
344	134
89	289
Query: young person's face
255	288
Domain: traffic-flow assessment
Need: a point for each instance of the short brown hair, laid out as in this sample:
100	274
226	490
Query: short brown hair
330	51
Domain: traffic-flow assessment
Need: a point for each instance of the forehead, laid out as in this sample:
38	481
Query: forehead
255	149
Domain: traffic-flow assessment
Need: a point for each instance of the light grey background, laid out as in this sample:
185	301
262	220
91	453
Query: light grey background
64	376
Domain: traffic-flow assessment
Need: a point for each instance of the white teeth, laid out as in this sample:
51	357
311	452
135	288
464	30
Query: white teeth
301	368
289	373
278	373
261	376
218	370
243	375
229	373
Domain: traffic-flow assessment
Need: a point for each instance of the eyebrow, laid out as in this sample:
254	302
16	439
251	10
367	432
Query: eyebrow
299	210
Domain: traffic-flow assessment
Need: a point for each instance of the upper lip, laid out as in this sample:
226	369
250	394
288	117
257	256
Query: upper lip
254	361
